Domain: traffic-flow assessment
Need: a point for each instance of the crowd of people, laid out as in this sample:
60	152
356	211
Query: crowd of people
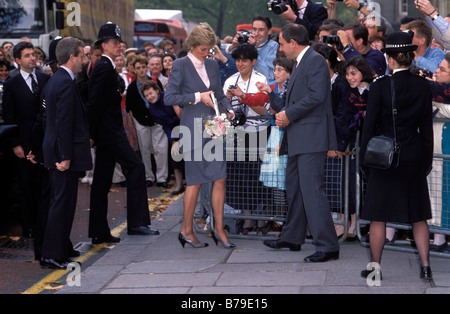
319	79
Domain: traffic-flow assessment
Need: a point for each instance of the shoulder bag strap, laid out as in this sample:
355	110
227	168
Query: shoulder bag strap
394	112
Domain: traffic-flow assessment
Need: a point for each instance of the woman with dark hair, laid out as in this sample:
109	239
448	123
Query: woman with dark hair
167	61
399	194
4	70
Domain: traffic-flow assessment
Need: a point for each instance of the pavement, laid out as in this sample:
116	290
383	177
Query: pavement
159	265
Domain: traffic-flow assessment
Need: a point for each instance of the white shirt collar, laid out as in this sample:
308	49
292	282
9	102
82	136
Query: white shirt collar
69	71
301	10
399	70
112	61
300	56
194	59
26	75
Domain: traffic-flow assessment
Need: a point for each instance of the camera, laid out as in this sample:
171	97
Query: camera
239	119
232	87
278	6
243	37
333	40
421	72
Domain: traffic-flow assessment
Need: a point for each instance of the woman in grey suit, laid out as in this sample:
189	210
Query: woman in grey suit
192	81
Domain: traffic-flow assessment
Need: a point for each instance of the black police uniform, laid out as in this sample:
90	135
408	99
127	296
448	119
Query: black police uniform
110	140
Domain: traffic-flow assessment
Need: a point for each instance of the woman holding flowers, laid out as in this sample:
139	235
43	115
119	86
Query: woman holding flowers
193	80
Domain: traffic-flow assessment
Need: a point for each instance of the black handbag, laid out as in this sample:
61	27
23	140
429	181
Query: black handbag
383	152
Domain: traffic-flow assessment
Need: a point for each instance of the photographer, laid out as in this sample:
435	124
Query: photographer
244	190
372	19
306	13
266	47
440	25
354	39
425	56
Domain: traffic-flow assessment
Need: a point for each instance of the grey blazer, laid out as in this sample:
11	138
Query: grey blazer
184	82
308	107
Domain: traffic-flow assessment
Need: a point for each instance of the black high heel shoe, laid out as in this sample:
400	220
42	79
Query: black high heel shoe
183	240
227	245
377	273
425	272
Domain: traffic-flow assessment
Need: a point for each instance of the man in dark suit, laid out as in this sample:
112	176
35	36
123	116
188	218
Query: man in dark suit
21	106
307	117
36	156
108	135
66	150
311	15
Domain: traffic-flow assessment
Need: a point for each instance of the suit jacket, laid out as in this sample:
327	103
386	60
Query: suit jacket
308	107
66	128
313	17
414	123
184	82
104	110
21	106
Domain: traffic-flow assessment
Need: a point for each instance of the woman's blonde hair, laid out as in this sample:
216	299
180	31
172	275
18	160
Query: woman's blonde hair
202	34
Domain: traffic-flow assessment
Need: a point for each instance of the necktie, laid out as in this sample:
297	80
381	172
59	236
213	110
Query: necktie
34	85
294	67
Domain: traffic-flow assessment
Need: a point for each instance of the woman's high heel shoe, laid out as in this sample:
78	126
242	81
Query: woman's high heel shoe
183	240
227	245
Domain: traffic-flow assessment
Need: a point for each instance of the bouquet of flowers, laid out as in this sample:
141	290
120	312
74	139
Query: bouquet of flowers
219	125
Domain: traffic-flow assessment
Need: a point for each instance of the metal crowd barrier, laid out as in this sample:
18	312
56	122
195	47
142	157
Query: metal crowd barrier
255	190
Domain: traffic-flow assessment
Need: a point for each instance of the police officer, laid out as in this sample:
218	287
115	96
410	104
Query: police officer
109	137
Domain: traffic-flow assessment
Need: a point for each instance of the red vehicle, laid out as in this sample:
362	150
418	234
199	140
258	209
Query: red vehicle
156	30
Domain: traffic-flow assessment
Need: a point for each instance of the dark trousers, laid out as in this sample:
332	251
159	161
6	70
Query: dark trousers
106	157
63	201
42	216
30	180
308	203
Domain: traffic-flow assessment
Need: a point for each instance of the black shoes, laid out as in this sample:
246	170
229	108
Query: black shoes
226	244
142	230
53	264
164	185
320	257
376	273
178	192
108	238
438	248
280	244
425	272
183	240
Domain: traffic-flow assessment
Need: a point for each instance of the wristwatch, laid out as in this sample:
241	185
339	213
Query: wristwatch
360	6
434	17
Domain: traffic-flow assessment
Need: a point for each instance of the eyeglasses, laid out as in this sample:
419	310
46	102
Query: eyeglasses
278	70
